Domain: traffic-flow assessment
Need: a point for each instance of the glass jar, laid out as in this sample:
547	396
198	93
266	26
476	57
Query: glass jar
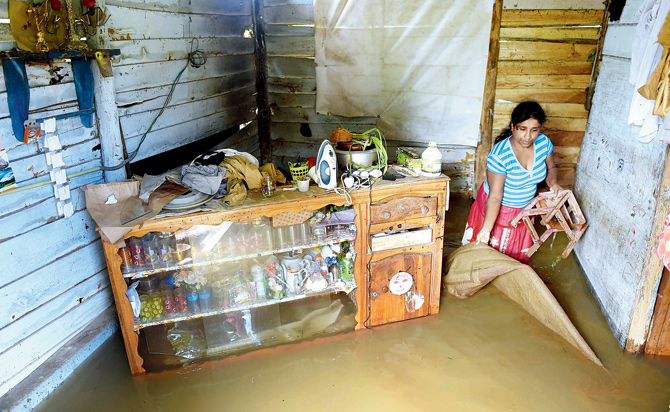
180	301
166	243
126	260
262	233
268	186
169	304
136	251
150	249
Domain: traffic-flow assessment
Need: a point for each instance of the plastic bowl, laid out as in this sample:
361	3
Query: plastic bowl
362	158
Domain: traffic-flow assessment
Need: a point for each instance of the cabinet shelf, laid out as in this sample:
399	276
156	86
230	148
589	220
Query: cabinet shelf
347	288
328	241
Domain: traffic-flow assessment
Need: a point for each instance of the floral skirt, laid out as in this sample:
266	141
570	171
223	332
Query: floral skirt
512	241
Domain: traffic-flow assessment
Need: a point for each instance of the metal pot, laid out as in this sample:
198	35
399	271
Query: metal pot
363	157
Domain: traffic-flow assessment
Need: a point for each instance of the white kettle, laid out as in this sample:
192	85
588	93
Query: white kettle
293	273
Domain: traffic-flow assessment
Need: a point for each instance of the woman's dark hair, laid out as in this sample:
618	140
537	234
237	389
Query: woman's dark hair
522	112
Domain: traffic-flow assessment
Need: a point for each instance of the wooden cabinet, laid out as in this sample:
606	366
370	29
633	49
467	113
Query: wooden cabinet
396	234
400	287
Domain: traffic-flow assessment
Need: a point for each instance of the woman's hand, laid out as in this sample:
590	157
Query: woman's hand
483	236
555	189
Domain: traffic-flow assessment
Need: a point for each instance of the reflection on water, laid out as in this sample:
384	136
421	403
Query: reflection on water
479	354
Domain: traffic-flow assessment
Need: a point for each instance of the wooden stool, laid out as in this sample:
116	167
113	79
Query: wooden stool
559	214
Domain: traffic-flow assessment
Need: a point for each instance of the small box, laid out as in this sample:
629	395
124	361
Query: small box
409	157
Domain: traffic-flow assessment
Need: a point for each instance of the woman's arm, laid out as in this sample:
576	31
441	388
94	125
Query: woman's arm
552	175
496	185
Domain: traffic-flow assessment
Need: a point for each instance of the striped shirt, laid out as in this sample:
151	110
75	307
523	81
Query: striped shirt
520	184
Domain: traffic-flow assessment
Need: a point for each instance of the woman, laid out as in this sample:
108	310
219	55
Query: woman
520	159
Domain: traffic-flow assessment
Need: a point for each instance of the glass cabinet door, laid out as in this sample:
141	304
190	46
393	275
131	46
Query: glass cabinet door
215	290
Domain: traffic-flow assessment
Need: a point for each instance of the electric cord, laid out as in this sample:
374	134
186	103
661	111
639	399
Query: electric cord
368	263
196	58
359	183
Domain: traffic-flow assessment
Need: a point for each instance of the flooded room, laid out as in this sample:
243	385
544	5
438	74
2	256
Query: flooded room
319	205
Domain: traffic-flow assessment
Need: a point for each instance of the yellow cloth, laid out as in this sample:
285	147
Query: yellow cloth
473	266
658	86
240	170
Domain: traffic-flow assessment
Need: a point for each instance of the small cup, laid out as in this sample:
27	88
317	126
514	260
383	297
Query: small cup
303	185
183	251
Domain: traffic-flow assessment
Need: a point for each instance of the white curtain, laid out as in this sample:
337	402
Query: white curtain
417	65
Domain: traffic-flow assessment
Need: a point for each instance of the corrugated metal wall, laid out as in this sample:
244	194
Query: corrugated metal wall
54	280
297	131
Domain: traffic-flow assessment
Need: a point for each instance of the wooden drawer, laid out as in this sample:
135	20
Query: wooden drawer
400	240
408	207
385	306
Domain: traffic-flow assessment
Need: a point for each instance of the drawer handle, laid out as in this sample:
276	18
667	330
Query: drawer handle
385	289
424	209
387	215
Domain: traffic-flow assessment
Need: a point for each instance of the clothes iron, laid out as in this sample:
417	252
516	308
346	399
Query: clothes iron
326	166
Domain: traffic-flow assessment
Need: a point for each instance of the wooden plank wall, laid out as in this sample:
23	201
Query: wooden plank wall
547	56
154	40
289	28
55	280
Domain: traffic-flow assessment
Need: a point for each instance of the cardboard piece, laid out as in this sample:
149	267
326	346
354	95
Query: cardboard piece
109	214
473	266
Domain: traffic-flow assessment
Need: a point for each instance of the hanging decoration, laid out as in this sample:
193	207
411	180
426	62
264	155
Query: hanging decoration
53	25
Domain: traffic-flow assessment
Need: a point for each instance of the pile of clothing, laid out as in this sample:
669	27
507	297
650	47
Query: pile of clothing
226	173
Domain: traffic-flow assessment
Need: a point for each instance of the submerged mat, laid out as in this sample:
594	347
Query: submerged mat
473	266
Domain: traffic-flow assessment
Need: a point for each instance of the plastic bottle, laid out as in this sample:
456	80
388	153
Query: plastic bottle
431	161
192	300
205	298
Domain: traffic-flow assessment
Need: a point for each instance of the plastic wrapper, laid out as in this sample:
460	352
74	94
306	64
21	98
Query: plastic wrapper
385	74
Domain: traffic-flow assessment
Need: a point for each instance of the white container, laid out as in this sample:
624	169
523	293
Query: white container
431	161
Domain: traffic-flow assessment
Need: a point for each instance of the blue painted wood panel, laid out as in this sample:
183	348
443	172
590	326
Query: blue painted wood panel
58	282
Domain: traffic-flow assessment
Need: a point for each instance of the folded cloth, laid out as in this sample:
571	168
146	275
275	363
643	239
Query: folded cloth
204	178
152	182
473	265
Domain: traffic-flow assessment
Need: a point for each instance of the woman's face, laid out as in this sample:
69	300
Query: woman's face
525	133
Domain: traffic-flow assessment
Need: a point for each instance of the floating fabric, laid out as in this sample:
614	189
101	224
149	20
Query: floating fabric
473	266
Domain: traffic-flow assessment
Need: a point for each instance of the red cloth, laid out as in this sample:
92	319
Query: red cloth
512	241
663	247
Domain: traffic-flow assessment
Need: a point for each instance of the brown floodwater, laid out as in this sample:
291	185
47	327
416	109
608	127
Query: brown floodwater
484	353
